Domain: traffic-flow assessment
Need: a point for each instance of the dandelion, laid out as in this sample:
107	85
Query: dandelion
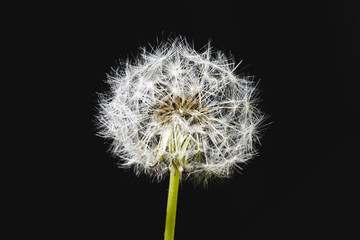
181	112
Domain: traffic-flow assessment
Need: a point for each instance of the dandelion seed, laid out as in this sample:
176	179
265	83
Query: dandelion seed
175	101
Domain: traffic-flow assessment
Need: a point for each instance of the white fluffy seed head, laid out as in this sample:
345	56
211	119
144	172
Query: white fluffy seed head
176	106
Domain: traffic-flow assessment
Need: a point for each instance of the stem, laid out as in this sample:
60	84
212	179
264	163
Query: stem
172	203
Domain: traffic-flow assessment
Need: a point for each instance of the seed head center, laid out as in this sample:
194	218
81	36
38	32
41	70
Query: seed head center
182	106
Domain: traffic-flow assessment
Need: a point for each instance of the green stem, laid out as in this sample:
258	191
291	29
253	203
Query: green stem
172	203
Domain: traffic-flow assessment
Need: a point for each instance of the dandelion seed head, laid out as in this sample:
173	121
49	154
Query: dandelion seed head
177	106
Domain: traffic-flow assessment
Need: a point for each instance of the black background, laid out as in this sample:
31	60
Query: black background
302	185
